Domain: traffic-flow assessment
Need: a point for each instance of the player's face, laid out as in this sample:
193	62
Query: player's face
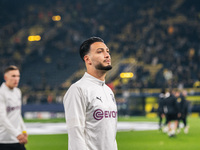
100	56
177	94
12	78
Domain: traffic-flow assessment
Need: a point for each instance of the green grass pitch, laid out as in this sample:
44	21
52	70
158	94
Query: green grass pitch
132	140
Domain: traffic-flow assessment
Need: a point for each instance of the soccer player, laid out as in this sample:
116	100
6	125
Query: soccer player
90	106
171	111
12	129
183	105
161	113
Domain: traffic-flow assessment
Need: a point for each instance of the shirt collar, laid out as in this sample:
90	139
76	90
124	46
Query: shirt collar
6	87
93	79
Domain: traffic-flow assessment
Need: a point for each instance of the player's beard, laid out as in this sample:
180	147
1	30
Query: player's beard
101	67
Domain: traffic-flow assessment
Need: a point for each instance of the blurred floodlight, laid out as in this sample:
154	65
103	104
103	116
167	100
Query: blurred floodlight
56	18
126	75
34	38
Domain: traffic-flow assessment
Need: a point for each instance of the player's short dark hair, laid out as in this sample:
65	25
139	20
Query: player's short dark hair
11	67
85	46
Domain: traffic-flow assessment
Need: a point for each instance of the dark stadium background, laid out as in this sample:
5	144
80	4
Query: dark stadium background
158	41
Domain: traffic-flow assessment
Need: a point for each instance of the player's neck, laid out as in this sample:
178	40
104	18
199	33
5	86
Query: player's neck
10	87
99	74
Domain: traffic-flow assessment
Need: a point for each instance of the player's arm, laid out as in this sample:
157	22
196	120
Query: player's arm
4	120
24	131
75	111
22	125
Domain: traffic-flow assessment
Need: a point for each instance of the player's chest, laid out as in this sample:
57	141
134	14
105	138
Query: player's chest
13	100
101	99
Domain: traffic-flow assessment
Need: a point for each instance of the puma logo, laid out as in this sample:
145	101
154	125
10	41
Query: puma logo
99	98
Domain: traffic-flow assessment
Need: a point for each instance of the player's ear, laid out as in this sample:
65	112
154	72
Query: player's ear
87	59
5	77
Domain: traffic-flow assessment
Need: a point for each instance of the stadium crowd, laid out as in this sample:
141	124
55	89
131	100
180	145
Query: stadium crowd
153	32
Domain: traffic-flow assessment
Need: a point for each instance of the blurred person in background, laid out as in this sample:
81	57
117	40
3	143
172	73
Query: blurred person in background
183	106
161	113
171	111
90	106
13	134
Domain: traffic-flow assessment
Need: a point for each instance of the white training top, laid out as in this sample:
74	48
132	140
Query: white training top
91	115
11	122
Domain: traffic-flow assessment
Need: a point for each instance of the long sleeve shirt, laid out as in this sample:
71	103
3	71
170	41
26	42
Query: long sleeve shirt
161	103
91	115
11	122
171	105
182	105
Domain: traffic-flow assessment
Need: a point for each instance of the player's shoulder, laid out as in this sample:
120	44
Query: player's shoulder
108	88
76	88
80	84
2	93
17	90
1	90
77	85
